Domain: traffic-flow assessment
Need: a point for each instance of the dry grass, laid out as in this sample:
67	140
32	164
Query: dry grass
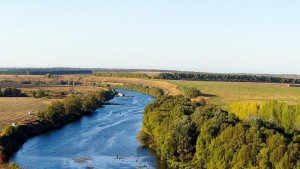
57	90
14	109
168	88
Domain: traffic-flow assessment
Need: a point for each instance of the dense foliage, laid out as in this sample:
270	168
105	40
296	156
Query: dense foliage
188	135
125	75
273	112
152	91
11	92
74	105
225	77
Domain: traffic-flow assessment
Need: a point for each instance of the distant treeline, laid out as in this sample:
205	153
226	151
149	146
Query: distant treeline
225	77
203	77
152	91
39	82
129	70
124	75
67	71
191	135
43	71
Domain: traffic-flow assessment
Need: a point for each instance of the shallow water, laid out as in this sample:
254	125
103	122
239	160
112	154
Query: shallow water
94	141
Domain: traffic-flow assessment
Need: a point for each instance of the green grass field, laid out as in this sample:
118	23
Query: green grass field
222	93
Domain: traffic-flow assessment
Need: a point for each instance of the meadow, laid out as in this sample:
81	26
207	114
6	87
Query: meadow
217	93
168	88
14	109
223	93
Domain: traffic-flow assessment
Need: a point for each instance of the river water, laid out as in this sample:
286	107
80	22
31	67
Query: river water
106	139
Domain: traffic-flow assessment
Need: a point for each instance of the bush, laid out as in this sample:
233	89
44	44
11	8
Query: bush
12	92
39	93
10	130
13	165
190	92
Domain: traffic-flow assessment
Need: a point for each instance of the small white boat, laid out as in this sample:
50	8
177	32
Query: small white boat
120	94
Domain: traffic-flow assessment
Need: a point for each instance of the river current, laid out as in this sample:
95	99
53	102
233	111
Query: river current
104	140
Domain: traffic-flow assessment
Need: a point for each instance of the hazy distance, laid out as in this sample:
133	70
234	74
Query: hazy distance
197	35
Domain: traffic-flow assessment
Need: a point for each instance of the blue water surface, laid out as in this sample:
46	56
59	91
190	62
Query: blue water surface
94	141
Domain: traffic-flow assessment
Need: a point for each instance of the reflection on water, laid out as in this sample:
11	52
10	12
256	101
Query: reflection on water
106	139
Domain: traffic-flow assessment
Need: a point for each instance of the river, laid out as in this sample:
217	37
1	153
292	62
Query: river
106	139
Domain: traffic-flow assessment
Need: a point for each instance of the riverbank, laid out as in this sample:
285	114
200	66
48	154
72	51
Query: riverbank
94	141
15	136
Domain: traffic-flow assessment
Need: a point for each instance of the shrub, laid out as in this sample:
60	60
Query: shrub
190	92
53	112
39	93
10	130
13	92
73	105
13	165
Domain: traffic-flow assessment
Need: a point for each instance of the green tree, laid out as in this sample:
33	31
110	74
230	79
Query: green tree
54	112
91	102
73	105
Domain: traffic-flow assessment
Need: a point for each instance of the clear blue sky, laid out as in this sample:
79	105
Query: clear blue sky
257	36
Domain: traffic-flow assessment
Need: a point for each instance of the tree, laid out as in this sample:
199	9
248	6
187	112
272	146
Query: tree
91	102
53	112
73	105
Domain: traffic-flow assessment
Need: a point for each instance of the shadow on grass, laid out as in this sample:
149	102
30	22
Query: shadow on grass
208	95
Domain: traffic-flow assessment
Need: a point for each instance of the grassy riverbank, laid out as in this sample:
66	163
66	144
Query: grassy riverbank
55	115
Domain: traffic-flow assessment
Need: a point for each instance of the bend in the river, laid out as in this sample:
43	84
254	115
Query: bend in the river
106	139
